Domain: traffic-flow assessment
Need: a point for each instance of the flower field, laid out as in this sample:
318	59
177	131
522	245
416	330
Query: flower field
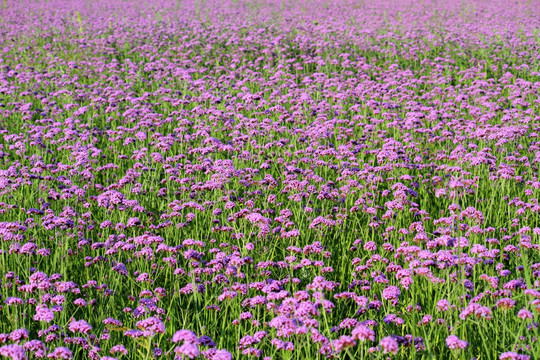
281	179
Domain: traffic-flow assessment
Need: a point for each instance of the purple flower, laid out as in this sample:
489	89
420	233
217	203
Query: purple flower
453	343
391	293
343	342
188	350
443	305
15	352
222	355
363	333
60	353
513	356
187	336
151	326
18	335
79	326
43	313
119	349
389	345
525	314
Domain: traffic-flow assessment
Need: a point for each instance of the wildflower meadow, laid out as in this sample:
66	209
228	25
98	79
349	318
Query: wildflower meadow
274	180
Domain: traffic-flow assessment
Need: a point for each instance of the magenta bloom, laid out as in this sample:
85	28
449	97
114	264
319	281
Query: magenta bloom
80	326
343	342
391	293
525	314
454	343
43	313
513	356
443	305
18	335
14	352
187	336
363	333
119	349
60	353
389	345
222	355
151	326
188	350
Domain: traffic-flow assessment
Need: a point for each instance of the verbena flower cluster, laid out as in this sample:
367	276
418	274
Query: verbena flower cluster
278	179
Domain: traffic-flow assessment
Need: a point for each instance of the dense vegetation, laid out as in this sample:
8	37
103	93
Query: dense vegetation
274	179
